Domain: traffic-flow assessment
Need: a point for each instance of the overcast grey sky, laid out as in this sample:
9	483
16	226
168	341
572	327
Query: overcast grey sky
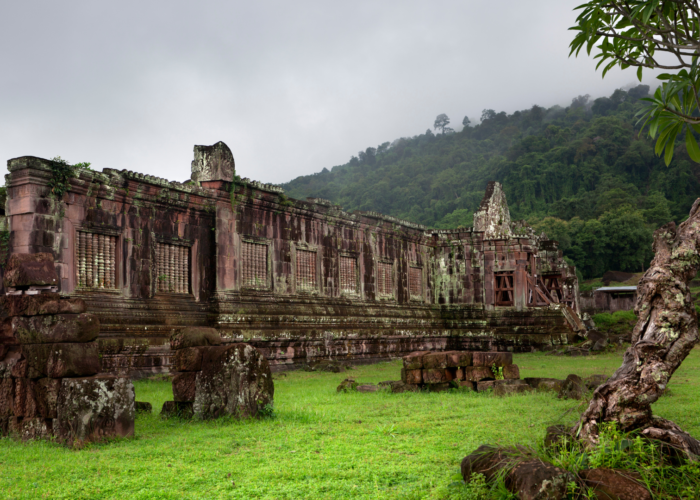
291	87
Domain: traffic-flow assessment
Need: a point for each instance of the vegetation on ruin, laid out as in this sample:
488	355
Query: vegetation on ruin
61	174
321	444
583	174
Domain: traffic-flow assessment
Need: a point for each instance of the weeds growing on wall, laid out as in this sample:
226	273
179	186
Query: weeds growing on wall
61	171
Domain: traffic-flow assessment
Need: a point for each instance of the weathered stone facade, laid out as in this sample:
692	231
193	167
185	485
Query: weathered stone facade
299	280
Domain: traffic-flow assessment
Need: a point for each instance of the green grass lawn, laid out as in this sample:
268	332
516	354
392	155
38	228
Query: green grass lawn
320	444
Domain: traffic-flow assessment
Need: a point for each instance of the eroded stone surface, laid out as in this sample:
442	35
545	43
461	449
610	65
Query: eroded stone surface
235	380
213	163
184	389
36	305
52	328
23	270
93	408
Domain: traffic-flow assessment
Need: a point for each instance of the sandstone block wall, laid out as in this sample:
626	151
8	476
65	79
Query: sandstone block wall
50	382
297	279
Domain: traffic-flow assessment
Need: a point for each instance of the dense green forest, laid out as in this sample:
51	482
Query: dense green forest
582	174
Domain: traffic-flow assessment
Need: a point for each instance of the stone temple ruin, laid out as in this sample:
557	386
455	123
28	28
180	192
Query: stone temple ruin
300	280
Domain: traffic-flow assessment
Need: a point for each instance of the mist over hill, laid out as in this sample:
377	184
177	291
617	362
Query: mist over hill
583	174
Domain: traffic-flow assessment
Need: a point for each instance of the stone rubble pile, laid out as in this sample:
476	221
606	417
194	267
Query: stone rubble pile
50	384
478	370
212	380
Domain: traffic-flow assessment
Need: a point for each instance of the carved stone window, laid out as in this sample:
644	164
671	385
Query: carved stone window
254	264
385	282
306	270
348	275
504	288
173	268
96	260
415	281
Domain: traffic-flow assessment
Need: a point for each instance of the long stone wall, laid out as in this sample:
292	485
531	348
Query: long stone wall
297	279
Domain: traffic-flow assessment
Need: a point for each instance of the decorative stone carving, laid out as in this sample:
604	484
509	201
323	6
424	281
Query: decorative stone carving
213	163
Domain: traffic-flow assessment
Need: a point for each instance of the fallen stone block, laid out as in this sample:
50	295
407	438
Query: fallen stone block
611	484
27	269
411	376
435	360
347	385
456	359
54	328
194	336
492	358
489	460
367	388
184	386
399	387
177	409
506	387
143	407
413	361
572	388
94	408
536	480
511	372
188	359
41	304
529	478
545	384
235	380
434	376
477	373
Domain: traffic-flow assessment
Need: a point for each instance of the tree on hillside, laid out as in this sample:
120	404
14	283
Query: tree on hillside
656	35
465	121
441	122
631	33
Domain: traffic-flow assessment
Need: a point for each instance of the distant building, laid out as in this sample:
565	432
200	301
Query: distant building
609	299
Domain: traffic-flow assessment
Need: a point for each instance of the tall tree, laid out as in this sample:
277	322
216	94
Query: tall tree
666	331
634	33
441	122
653	34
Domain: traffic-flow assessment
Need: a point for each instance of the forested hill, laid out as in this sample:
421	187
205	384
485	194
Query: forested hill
582	174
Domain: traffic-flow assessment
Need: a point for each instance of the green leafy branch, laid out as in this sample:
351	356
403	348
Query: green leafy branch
630	34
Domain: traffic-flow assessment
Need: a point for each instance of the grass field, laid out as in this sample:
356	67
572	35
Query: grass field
320	444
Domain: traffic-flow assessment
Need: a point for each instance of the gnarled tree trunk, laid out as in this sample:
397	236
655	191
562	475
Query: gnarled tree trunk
665	333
